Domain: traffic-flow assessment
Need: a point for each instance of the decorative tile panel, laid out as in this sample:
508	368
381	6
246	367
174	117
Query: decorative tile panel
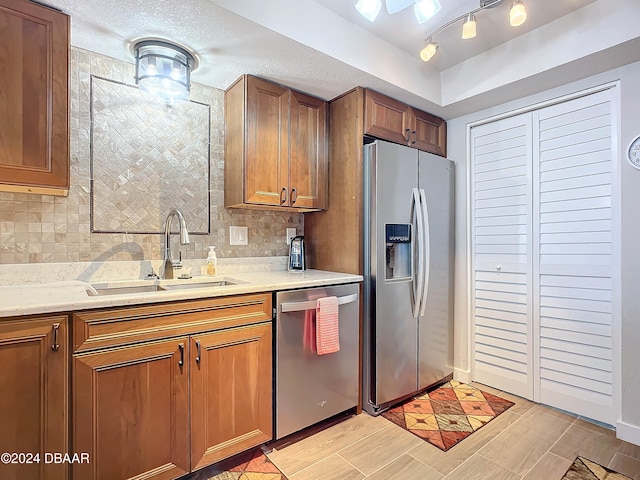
146	159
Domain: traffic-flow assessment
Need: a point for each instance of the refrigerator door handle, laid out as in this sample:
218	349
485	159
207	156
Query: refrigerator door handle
419	276
425	241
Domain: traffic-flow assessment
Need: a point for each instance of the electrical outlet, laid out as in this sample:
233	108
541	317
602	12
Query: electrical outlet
291	232
238	236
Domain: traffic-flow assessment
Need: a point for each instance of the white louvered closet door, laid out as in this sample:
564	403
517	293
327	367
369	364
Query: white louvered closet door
573	256
543	255
502	198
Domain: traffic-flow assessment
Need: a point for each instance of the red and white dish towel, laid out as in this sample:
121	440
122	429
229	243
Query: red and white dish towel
321	333
327	326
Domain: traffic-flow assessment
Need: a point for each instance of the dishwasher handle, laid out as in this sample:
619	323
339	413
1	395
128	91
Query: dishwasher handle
311	305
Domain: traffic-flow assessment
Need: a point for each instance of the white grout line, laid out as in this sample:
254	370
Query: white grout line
562	434
633	459
357	469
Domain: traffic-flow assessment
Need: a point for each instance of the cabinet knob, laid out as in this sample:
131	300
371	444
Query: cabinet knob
408	132
294	196
499	267
415	138
283	195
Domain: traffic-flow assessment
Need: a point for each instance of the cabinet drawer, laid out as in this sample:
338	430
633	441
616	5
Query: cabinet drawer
120	326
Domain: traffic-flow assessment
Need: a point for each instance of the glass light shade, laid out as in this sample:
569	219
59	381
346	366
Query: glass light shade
469	27
425	9
429	51
369	9
163	69
517	14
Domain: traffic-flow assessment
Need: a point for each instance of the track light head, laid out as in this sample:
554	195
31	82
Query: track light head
517	14
469	27
429	51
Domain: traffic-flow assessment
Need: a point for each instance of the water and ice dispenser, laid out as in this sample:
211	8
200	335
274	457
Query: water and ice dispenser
398	251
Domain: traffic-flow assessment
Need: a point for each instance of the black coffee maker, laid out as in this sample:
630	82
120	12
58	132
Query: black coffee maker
297	260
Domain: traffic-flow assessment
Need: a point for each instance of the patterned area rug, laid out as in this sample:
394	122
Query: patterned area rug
252	465
448	414
584	469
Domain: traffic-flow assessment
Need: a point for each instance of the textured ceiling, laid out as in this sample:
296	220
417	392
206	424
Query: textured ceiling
324	48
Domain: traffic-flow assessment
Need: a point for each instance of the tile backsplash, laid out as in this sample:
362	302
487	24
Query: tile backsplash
42	228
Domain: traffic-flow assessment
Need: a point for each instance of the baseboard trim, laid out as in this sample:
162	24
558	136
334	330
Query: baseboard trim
460	375
628	433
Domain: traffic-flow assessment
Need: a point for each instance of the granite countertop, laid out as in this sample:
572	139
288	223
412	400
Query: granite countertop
73	295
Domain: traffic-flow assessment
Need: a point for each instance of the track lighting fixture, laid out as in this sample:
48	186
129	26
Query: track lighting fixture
517	16
469	27
429	51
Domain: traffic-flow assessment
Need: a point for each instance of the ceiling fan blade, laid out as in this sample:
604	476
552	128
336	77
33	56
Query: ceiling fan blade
394	6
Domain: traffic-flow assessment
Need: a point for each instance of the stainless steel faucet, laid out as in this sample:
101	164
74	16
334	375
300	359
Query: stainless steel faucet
169	264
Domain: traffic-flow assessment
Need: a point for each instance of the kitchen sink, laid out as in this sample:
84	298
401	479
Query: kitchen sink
126	290
130	289
185	286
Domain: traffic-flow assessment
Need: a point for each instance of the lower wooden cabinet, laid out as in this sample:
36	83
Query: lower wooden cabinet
161	408
33	397
230	392
131	411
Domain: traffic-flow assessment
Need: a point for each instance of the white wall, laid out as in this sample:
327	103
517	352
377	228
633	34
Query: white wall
629	80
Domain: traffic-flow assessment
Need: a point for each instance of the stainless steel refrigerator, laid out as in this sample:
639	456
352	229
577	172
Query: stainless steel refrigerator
408	287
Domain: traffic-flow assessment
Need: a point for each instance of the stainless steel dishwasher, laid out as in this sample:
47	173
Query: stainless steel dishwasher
311	387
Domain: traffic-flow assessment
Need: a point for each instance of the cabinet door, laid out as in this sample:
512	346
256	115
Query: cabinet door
34	139
386	118
428	132
308	158
231	403
34	400
130	411
267	130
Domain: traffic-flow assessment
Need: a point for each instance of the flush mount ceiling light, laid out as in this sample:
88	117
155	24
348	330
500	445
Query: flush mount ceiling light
517	16
423	9
163	69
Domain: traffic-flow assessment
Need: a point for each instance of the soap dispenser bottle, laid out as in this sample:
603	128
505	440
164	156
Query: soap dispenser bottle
212	262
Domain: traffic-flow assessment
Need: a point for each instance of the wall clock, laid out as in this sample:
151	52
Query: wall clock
633	153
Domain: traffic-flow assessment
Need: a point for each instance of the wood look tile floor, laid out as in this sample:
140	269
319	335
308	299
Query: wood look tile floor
527	442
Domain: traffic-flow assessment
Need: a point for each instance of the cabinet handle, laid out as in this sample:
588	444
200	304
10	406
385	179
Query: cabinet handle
408	132
198	349
55	346
283	195
181	361
415	138
294	196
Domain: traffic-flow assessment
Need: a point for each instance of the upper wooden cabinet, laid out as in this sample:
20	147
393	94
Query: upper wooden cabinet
34	399
397	122
275	147
34	124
